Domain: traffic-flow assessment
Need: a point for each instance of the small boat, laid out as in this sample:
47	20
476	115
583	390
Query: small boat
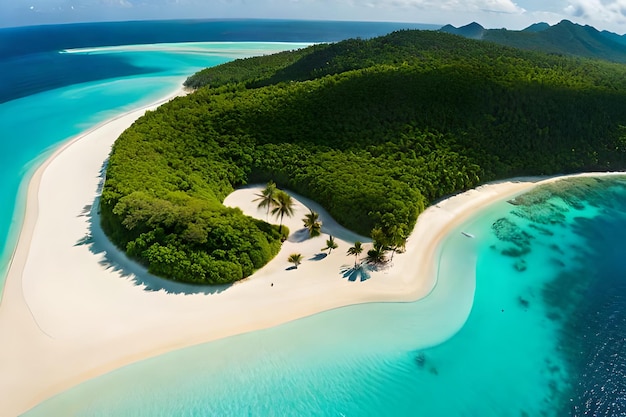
468	235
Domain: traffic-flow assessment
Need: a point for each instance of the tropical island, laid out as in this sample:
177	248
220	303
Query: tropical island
74	307
373	130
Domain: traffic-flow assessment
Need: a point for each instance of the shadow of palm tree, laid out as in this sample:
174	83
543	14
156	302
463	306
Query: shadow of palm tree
86	210
353	273
318	256
298	236
115	260
379	266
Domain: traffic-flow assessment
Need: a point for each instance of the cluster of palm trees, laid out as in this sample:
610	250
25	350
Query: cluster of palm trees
356	250
376	255
389	236
278	202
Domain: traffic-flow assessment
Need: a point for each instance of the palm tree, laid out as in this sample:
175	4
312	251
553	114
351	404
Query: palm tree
295	259
376	255
391	234
312	223
266	197
397	238
283	204
356	250
330	244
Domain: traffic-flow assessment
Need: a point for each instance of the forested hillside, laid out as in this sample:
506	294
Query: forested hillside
373	130
565	38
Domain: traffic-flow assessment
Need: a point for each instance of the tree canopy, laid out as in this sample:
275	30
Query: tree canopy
373	130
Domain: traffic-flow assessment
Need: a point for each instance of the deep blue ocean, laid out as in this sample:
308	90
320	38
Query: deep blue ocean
27	51
527	319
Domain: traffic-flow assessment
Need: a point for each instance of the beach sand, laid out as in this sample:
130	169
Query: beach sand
73	307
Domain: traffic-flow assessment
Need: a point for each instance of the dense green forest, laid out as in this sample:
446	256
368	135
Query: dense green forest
374	130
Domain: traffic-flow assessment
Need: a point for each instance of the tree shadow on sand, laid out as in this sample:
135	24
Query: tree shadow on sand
113	259
359	272
298	236
318	256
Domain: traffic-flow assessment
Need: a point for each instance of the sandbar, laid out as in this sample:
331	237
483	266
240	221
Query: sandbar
74	307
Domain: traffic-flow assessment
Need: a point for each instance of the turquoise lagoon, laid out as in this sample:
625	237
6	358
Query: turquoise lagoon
527	319
520	337
34	125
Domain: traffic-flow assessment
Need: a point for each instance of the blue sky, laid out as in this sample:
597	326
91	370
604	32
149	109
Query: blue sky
512	14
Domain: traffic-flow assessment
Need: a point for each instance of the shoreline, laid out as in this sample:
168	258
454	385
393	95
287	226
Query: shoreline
13	305
69	309
39	163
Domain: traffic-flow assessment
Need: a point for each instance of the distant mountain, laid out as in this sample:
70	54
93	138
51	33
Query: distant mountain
537	27
614	37
565	38
472	31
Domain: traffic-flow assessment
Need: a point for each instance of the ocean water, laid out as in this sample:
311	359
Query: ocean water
33	126
26	51
538	330
76	91
527	319
56	83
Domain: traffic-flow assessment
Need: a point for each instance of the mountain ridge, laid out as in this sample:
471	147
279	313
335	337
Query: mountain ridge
565	37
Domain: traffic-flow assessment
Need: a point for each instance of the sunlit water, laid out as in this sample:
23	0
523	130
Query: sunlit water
527	319
545	336
33	126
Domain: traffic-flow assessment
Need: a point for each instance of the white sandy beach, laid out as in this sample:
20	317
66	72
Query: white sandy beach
73	308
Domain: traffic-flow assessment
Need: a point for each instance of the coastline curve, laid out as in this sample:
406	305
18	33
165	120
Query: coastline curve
90	307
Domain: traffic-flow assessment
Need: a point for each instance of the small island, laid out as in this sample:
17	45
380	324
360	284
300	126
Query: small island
373	130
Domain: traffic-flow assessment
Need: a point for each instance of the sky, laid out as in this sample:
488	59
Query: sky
510	14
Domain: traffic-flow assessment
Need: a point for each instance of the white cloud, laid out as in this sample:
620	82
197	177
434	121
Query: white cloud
611	11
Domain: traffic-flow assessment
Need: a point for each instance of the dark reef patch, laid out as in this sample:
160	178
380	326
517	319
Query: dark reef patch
588	296
542	230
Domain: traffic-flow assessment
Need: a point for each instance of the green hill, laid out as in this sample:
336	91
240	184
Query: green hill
621	39
373	130
472	31
537	27
565	38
